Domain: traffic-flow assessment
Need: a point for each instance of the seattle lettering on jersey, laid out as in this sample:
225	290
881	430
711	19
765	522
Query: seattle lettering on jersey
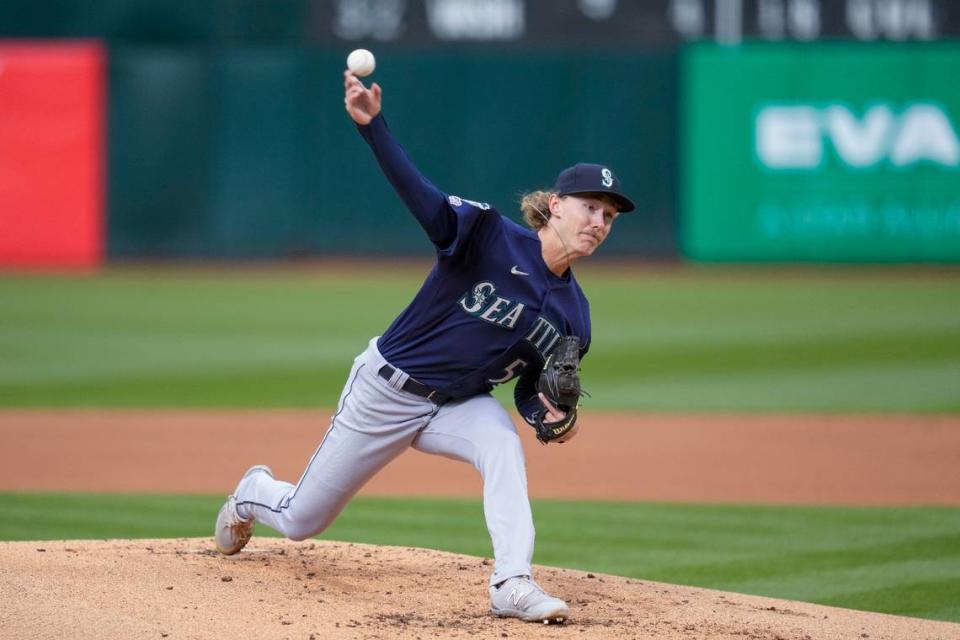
481	301
543	336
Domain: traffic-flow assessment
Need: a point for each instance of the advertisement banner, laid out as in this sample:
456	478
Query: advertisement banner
830	152
51	154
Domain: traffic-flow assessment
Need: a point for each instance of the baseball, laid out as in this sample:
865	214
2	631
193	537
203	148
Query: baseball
361	62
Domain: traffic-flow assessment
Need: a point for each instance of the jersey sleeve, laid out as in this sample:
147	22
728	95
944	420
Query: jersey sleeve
525	395
425	201
475	224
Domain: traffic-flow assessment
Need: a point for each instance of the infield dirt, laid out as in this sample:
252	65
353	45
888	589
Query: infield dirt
782	459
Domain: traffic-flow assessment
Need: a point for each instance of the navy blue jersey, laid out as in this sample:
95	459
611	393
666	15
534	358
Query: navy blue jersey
490	310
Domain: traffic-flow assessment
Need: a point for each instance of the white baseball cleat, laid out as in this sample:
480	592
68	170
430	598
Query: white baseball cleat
232	532
521	597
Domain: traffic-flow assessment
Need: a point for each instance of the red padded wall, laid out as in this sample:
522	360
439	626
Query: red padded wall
52	154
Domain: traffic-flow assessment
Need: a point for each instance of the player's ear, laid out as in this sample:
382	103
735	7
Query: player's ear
554	205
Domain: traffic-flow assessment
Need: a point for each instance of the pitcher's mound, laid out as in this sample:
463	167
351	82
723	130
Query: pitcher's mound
316	590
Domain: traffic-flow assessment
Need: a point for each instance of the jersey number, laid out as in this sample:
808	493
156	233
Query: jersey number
510	372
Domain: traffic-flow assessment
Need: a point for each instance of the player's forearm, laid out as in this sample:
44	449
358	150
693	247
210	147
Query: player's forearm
525	397
427	203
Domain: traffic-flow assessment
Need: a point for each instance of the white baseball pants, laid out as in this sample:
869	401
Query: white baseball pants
375	422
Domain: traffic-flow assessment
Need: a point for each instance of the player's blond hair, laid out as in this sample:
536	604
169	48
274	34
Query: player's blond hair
535	207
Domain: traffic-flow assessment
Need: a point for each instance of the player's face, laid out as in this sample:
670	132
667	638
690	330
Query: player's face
585	220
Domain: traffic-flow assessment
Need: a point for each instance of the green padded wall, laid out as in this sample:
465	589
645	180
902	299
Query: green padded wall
247	152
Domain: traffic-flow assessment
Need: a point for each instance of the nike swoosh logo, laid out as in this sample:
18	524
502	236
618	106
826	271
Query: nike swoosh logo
517	272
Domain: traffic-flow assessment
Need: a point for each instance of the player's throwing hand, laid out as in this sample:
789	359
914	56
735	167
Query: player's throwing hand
362	104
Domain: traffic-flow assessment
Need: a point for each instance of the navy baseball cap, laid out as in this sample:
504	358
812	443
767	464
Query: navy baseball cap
592	178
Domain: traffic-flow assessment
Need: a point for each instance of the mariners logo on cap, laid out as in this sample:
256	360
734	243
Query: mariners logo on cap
607	177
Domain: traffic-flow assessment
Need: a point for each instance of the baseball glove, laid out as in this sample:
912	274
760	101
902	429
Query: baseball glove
560	384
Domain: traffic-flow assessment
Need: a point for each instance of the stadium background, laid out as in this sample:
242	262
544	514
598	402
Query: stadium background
140	136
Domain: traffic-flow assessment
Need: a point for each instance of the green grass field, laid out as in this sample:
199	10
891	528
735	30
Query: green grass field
705	340
686	340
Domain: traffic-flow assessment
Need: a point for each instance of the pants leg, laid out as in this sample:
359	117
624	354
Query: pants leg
479	431
374	424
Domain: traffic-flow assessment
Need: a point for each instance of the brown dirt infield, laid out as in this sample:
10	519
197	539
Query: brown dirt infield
813	459
314	590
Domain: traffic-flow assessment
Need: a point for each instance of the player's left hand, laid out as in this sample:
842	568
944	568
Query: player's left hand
553	414
554	424
361	103
559	393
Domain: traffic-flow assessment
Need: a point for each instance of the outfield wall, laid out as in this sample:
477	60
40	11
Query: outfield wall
223	134
247	152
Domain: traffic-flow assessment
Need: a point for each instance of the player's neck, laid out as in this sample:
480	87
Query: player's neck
554	254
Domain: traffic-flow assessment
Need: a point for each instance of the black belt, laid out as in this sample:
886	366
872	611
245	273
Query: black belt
416	388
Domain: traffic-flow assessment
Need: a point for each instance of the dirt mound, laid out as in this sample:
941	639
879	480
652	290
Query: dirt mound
314	590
